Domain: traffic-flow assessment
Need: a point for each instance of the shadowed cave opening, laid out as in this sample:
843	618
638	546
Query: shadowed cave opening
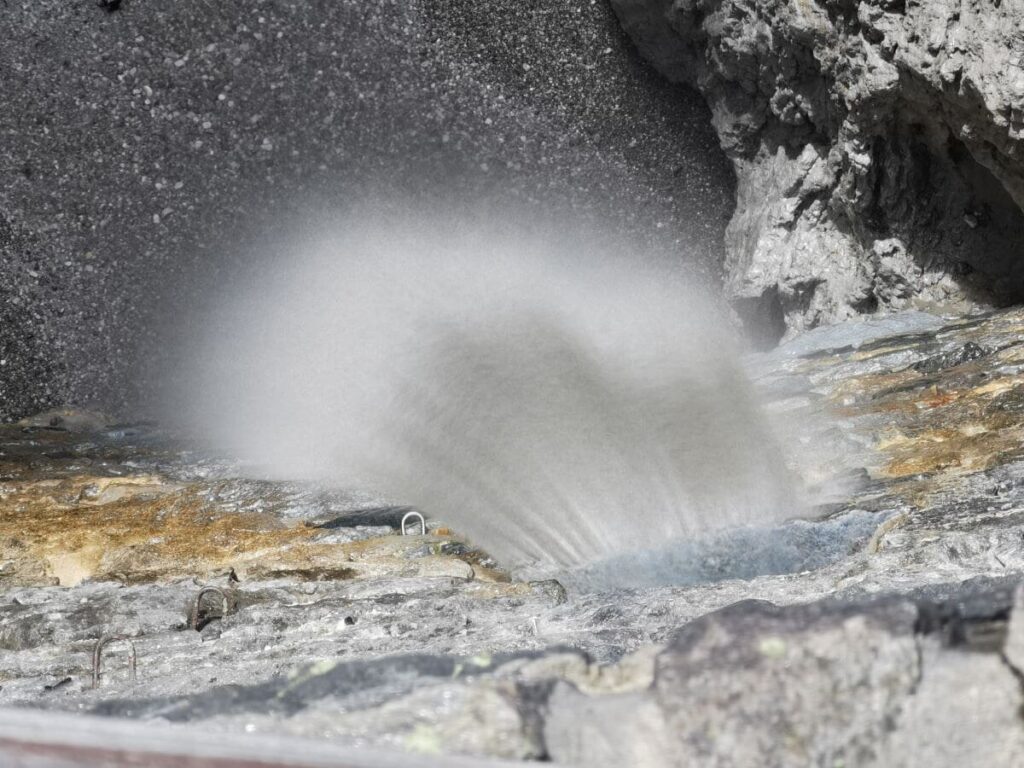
958	224
950	211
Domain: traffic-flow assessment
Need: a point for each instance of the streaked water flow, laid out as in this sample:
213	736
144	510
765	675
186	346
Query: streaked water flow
556	396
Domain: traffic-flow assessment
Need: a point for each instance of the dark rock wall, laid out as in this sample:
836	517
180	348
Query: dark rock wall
878	145
142	143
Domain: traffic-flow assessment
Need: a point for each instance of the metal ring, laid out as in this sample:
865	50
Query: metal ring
97	657
423	523
193	620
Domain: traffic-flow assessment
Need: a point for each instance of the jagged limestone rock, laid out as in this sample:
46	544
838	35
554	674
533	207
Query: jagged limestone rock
878	147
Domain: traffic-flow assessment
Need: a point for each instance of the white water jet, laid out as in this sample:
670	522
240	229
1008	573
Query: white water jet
557	397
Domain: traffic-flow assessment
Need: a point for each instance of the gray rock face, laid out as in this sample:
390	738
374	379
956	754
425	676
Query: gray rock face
878	147
854	665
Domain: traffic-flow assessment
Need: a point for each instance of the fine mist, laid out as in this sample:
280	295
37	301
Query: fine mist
553	395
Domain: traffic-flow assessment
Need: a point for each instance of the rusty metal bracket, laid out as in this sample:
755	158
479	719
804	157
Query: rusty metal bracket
97	657
193	619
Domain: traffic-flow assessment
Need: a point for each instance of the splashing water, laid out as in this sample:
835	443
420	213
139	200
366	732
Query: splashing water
556	397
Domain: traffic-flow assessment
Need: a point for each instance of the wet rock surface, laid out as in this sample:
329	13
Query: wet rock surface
877	145
904	648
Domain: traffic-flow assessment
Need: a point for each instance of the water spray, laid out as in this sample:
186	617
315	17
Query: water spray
552	393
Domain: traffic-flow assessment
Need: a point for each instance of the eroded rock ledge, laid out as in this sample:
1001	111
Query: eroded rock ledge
878	147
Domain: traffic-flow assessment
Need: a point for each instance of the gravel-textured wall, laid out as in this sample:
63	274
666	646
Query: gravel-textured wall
878	147
140	139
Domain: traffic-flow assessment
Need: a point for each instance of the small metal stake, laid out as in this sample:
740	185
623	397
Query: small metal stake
97	657
193	620
414	514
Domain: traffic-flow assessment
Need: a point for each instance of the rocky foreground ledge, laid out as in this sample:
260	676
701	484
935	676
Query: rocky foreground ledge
888	630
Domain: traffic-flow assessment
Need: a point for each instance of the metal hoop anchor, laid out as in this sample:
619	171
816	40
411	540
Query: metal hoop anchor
414	514
193	619
97	657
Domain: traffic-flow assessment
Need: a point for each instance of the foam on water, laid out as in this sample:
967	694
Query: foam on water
557	397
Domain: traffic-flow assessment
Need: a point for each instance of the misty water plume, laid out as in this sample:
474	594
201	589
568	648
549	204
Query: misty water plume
557	397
